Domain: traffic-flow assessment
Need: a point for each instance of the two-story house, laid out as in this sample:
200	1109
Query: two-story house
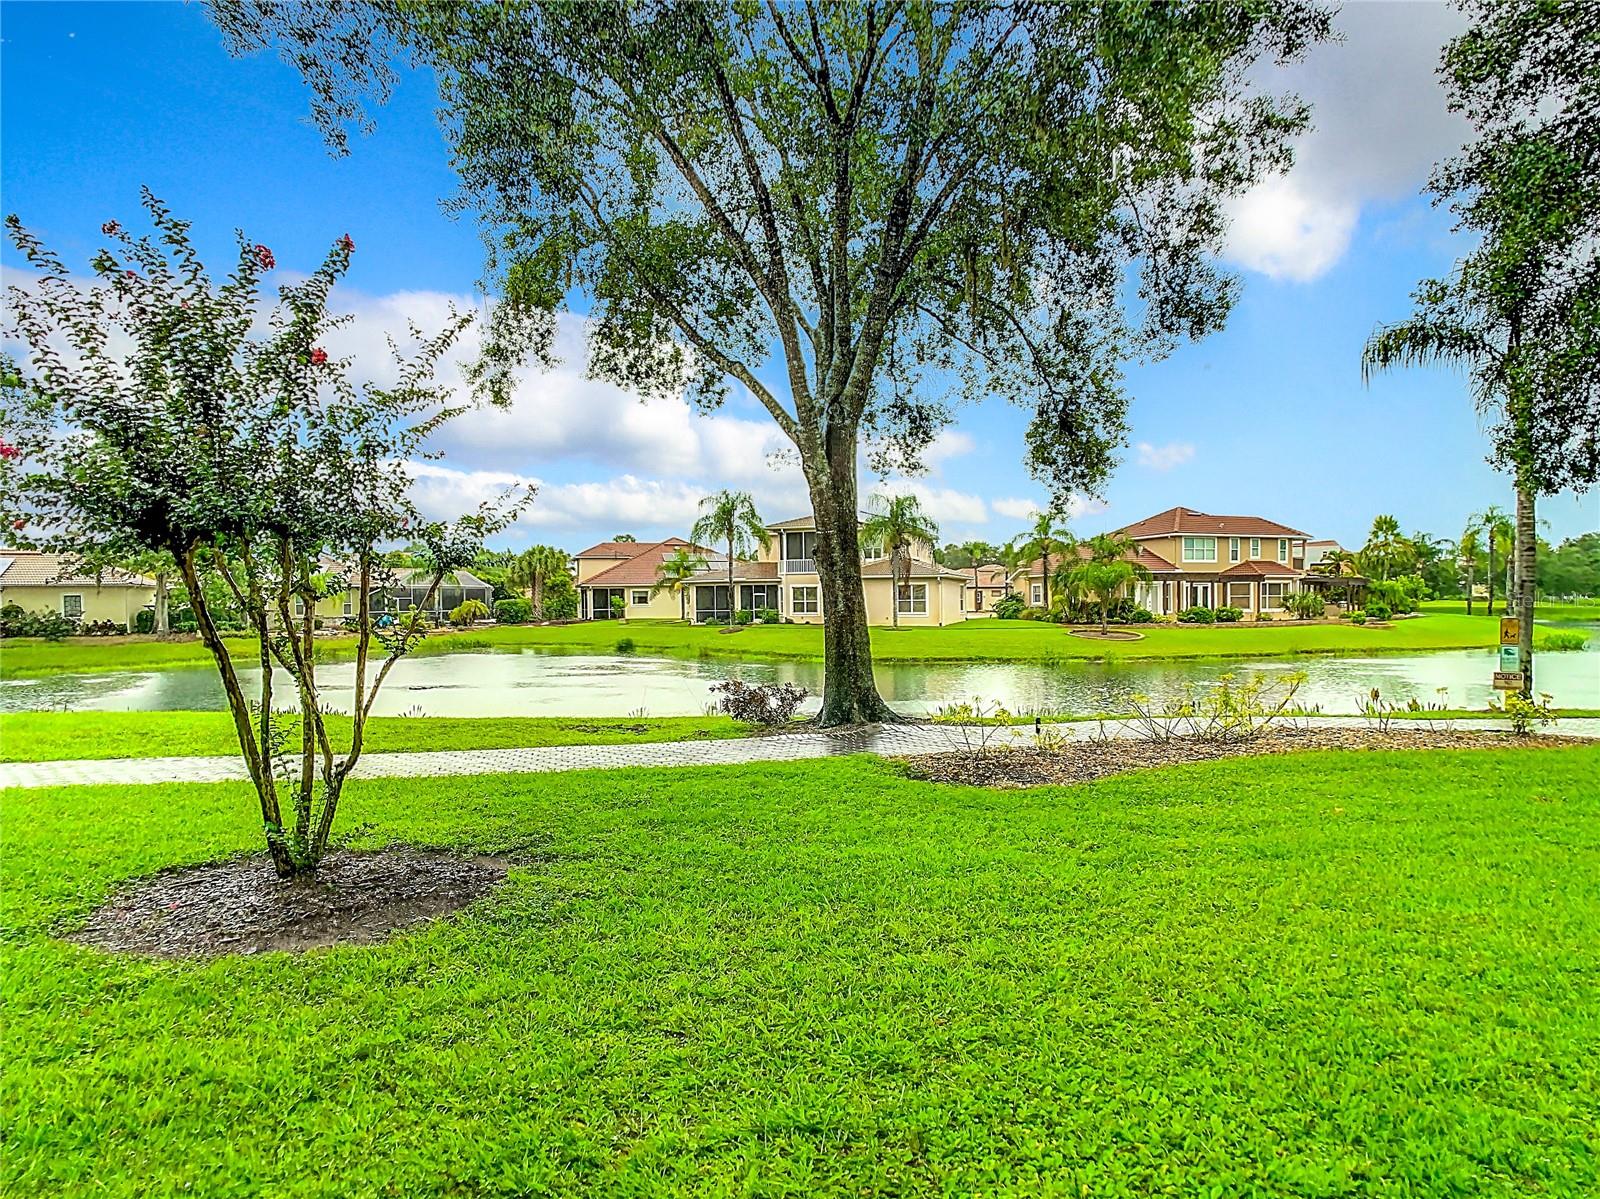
783	578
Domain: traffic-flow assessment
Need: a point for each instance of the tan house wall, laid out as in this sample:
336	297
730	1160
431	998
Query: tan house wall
117	604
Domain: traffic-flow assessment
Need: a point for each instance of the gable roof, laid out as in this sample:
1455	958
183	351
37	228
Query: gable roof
1187	520
639	570
1256	569
1153	562
31	568
618	549
988	576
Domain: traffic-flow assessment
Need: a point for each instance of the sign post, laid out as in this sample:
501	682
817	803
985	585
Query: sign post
1508	676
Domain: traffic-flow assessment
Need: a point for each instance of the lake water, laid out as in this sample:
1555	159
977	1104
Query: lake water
534	683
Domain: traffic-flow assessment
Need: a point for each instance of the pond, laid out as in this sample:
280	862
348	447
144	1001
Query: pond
537	683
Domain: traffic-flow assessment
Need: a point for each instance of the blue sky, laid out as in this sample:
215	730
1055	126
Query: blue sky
1268	417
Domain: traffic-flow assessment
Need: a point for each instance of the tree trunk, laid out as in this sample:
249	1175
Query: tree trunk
1471	580
1527	544
849	693
161	626
1490	575
1044	570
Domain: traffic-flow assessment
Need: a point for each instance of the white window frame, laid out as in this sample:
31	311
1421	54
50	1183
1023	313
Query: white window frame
1198	551
1283	549
906	604
349	606
299	607
1271	599
872	551
72	595
634	593
1255	547
1233	549
805	601
1037	592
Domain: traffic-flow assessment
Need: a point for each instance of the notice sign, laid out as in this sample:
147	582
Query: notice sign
1510	659
1510	630
1508	680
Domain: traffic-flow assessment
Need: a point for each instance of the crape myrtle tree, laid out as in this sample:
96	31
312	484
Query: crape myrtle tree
160	412
860	212
1520	314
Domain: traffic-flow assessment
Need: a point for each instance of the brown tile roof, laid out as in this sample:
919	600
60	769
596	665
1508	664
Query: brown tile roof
30	568
919	570
1187	520
743	572
1154	563
798	522
640	569
1260	570
625	549
988	576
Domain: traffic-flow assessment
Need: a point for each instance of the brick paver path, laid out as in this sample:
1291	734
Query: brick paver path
786	747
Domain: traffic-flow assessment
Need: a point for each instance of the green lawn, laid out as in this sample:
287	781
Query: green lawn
973	640
1543	610
51	736
1331	975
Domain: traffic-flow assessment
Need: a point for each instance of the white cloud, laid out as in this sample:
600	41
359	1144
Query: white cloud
945	504
1379	125
1164	457
442	492
1017	509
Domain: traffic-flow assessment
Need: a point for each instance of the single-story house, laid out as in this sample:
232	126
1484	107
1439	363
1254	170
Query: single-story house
983	587
627	571
40	582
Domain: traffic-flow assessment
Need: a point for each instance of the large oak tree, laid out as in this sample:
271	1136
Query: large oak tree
859	212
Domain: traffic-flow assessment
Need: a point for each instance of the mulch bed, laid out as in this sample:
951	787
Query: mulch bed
242	906
1085	761
1107	635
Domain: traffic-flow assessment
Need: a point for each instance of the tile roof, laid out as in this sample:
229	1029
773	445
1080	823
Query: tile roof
30	568
1256	569
988	576
622	549
1187	520
639	570
744	571
919	570
1153	562
798	522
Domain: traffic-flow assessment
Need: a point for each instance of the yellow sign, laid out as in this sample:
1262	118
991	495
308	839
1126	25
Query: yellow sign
1510	630
1508	680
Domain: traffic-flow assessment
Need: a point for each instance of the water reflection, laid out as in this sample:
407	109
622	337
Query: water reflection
533	683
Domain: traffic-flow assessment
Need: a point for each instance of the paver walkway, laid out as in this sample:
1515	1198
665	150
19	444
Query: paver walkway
870	739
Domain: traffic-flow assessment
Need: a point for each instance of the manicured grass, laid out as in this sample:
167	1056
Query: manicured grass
970	641
1336	974
1543	610
53	736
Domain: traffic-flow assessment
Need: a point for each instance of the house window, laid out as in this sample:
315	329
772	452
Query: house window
349	607
299	607
872	551
1272	594
1255	547
912	599
1038	595
977	601
1233	549
72	607
1283	549
640	597
1199	549
804	601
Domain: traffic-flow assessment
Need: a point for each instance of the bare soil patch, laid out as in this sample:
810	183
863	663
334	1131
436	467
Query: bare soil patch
242	906
1085	761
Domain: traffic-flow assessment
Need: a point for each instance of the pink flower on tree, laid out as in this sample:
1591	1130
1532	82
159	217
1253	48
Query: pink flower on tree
7	450
265	258
111	228
130	274
19	524
348	243
319	356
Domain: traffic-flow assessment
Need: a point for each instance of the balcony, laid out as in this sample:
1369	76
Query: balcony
799	566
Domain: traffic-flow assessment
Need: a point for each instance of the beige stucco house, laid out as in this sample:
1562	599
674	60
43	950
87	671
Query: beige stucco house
39	582
783	577
626	570
984	587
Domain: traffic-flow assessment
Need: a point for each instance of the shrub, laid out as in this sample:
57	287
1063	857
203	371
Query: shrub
766	616
624	645
1141	616
1377	610
468	611
144	621
619	607
1358	618
1304	605
1265	616
101	628
1230	615
513	611
1033	614
1524	714
742	616
714	622
766	703
1009	606
52	626
1197	615
1560	641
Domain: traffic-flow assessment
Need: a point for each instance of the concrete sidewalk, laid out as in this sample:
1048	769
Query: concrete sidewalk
884	740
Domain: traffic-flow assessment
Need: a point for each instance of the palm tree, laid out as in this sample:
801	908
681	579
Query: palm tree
1468	549
1109	568
729	518
978	552
1045	536
1498	530
532	568
673	574
894	524
1386	548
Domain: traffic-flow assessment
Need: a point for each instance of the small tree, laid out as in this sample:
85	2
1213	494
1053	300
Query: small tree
895	524
674	573
1108	568
532	571
729	518
1045	538
247	456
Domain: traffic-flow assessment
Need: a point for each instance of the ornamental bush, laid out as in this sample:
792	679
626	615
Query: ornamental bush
764	703
1229	615
1141	616
1305	605
1197	615
766	616
513	611
1377	610
52	626
742	616
1008	607
468	612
